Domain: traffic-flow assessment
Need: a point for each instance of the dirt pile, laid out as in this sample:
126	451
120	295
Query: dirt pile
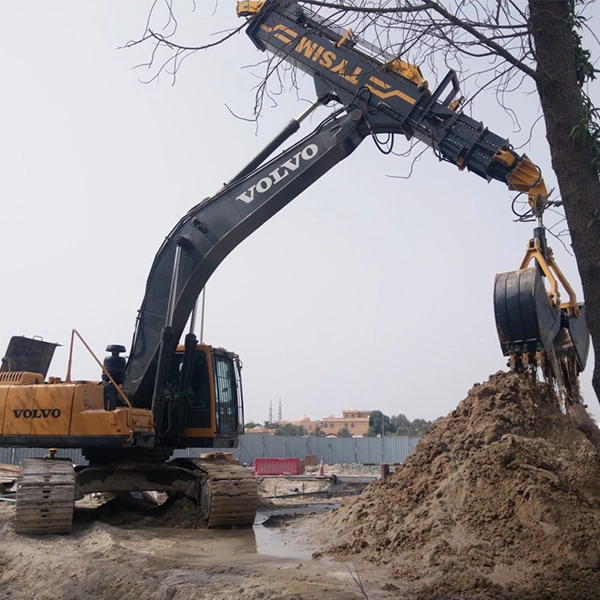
501	499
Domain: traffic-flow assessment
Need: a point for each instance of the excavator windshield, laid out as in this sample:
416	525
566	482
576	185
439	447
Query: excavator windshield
226	393
197	395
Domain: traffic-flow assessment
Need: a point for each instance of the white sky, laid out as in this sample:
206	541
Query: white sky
367	292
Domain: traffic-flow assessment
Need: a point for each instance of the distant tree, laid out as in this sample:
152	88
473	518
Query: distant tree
405	426
270	425
379	424
250	425
419	427
402	424
344	432
290	430
318	431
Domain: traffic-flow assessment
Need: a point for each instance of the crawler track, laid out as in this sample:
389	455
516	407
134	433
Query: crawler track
228	493
45	496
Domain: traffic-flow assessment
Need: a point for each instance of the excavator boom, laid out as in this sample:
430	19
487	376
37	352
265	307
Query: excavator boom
385	94
213	228
378	94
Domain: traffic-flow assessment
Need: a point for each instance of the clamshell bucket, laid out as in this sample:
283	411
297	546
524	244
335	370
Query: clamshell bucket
528	322
525	318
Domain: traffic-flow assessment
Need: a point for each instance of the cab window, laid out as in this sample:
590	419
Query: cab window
226	395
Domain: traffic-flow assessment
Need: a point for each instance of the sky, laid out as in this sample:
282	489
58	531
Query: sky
371	290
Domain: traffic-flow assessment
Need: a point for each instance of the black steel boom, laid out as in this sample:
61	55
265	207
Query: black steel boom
213	228
378	93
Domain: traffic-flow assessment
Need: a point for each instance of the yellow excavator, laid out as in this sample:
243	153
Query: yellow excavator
166	396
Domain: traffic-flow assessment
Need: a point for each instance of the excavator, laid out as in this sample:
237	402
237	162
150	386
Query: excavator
166	395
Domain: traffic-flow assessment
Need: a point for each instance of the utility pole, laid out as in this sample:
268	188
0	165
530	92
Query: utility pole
382	439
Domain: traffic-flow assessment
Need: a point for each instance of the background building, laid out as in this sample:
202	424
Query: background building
356	421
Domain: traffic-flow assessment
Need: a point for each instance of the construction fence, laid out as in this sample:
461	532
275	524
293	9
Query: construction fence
365	451
392	450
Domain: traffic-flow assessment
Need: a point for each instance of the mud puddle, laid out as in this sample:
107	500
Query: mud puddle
276	533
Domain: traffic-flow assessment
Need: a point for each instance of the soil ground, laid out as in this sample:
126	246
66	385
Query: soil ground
499	501
117	553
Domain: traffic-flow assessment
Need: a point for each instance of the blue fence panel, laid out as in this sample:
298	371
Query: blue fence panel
390	449
332	450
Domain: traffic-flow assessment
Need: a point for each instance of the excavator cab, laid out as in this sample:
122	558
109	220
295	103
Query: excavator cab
207	400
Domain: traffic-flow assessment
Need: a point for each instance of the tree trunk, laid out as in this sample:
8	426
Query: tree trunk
563	108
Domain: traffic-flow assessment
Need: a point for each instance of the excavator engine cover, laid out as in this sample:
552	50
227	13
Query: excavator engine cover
525	318
28	354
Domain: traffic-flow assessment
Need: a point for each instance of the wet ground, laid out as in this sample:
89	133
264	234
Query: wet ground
279	558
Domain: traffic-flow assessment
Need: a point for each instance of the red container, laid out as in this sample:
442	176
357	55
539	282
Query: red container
277	466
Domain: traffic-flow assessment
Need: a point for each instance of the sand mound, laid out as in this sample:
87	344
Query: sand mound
501	499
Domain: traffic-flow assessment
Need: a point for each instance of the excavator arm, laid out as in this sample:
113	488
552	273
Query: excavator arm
535	328
392	93
213	228
378	94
